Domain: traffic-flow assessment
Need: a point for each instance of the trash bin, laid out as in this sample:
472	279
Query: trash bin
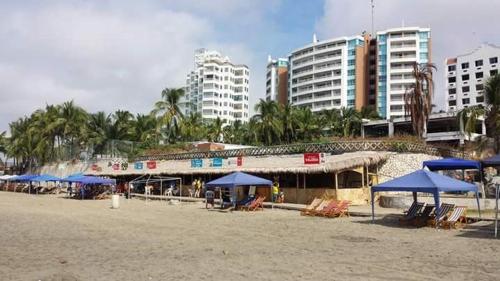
115	201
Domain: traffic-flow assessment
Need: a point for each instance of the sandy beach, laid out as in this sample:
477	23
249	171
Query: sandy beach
52	238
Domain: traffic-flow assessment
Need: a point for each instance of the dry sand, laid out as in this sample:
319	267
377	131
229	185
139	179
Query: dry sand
51	238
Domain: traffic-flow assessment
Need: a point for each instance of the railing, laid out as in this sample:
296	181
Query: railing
336	147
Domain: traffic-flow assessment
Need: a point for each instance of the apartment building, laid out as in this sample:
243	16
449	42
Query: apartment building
277	80
398	50
466	76
358	71
217	88
327	74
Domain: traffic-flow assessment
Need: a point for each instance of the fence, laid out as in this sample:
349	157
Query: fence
336	147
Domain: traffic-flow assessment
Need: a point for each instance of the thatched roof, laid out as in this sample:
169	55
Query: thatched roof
254	164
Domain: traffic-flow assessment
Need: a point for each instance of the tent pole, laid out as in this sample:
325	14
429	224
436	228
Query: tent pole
478	207
437	203
373	207
496	213
414	197
297	188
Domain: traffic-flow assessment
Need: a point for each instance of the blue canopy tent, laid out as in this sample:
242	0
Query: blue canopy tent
236	179
426	182
493	161
452	164
89	180
46	177
24	178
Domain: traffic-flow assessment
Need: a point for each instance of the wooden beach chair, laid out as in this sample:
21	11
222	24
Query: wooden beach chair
441	215
320	207
326	210
259	204
456	218
422	218
342	210
315	203
412	213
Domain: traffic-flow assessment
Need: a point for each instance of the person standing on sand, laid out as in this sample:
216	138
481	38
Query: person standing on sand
276	190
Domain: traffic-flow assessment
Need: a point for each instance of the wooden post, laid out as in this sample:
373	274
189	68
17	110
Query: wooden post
362	176
336	182
304	181
297	189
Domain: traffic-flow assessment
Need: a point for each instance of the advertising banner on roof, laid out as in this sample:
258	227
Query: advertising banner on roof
196	163
312	158
151	164
138	165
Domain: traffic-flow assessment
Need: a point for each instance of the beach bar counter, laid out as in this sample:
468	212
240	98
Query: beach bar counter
301	177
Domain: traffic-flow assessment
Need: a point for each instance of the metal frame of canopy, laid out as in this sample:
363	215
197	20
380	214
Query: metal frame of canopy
156	178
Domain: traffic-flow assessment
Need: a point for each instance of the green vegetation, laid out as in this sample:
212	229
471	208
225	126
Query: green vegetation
66	131
491	112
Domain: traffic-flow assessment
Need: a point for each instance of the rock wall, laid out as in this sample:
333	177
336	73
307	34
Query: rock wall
399	164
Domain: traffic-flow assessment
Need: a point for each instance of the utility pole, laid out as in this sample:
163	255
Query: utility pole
373	8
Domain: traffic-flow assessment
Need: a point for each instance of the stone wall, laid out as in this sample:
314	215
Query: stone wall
399	164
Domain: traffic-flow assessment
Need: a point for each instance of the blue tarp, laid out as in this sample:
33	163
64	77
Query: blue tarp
25	177
427	182
493	161
46	177
238	179
452	164
88	180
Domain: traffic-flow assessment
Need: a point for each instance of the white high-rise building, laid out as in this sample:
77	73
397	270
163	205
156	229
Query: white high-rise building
322	74
467	74
217	88
398	50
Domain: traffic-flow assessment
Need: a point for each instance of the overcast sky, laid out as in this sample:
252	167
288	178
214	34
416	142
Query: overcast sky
109	55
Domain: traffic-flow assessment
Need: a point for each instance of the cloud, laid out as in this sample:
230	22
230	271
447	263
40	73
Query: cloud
109	55
457	26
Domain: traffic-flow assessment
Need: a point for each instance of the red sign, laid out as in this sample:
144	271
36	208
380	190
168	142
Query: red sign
312	158
151	164
116	167
239	161
94	167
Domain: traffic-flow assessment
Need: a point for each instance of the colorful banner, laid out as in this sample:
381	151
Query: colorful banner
239	161
116	167
138	165
216	162
94	167
196	163
312	158
151	165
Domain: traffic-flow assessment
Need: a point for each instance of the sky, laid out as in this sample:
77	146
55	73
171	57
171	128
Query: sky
119	54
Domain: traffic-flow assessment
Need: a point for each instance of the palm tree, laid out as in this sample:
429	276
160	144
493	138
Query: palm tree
350	122
418	98
288	121
331	121
469	116
307	124
73	123
3	143
369	112
192	127
269	126
144	129
98	128
168	112
215	129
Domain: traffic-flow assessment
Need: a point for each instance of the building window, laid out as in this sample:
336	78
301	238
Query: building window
480	99
351	62
351	72
452	67
494	60
452	91
465	65
493	72
465	77
479	63
479	87
479	75
465	89
466	101
452	102
452	79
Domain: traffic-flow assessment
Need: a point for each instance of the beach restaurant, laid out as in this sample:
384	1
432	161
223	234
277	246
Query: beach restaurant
301	177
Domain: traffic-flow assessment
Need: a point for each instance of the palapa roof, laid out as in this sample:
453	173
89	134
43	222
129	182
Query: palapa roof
254	164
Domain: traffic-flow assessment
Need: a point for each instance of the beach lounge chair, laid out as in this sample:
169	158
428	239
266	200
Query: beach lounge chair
326	210
441	215
255	205
412	213
342	210
315	203
456	218
422	218
319	208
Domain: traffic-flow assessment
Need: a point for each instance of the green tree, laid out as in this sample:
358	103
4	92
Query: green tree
192	128
215	130
350	122
491	111
288	119
308	127
168	113
269	126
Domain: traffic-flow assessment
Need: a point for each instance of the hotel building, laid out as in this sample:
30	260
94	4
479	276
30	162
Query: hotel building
277	80
217	88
